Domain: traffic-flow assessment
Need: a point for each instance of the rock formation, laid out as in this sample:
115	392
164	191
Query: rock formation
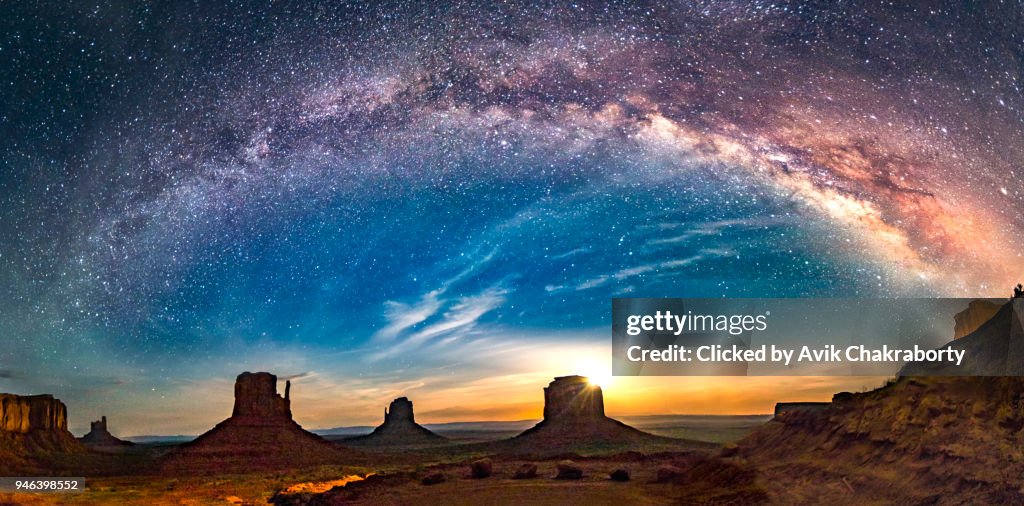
33	430
996	348
574	420
24	414
399	429
99	436
259	435
947	440
785	407
571	397
970	319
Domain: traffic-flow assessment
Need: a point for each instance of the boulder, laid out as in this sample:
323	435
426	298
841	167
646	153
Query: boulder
619	475
525	472
481	468
569	470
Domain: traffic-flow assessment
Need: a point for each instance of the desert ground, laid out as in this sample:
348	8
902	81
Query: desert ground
131	476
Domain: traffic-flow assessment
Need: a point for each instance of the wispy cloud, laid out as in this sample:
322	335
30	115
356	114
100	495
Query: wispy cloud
570	253
631	272
705	229
459	318
401	316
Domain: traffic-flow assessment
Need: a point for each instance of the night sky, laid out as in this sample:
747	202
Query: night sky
440	200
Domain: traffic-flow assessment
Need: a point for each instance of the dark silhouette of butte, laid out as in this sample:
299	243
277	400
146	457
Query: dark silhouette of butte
99	436
574	419
399	429
260	434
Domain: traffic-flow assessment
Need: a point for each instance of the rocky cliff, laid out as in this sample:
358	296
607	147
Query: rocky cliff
934	440
995	348
977	313
23	414
259	435
399	429
33	432
916	440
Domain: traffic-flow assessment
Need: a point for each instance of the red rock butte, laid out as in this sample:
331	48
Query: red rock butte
574	419
33	427
260	434
99	436
399	429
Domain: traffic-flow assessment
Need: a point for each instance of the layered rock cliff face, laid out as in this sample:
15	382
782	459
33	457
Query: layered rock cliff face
574	421
259	435
399	429
33	432
99	436
23	414
935	440
916	440
970	319
995	348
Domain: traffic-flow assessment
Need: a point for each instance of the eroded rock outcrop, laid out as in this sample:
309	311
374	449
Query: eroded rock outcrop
574	420
256	396
995	348
22	414
949	440
573	396
259	435
399	429
99	436
977	313
33	430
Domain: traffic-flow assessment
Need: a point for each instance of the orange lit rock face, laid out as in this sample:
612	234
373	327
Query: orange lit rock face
572	396
33	430
24	414
970	319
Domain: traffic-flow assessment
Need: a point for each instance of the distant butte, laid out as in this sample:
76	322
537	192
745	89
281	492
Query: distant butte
574	420
99	436
399	429
260	434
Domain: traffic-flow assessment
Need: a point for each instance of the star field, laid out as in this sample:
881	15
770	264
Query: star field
369	194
